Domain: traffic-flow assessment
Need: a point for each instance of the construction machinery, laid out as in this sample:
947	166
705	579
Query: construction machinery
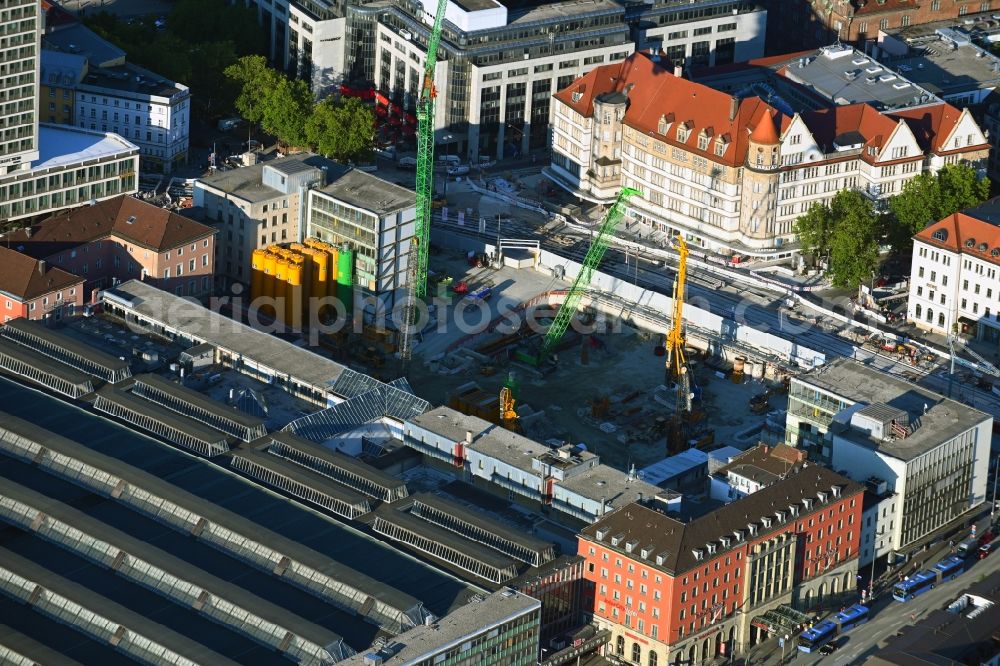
508	415
420	243
575	294
425	152
676	366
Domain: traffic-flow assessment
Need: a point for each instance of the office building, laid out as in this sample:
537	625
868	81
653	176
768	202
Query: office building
47	167
499	629
570	480
33	289
861	20
60	74
669	590
932	452
257	206
494	102
953	276
152	112
733	171
121	239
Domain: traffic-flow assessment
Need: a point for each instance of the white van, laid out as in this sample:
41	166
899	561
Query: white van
449	160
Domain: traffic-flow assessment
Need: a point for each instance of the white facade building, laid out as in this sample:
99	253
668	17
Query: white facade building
932	452
953	277
141	106
878	522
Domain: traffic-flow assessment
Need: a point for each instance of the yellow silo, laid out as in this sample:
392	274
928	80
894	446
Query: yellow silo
256	273
293	295
281	287
334	272
296	247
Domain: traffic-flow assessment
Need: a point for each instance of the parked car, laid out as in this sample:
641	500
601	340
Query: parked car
459	170
407	163
449	160
227	124
984	551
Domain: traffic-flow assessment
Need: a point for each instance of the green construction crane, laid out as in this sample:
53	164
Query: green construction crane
594	255
425	154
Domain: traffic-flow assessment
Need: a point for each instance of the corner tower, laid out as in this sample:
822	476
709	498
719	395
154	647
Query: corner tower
758	201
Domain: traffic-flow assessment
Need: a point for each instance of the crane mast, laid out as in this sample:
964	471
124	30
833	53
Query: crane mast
590	263
676	363
425	153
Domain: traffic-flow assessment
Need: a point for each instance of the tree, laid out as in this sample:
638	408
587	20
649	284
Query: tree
929	198
814	229
960	188
257	81
286	107
342	130
854	241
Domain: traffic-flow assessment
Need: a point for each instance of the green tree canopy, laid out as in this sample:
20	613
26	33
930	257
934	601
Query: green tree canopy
814	229
287	106
256	82
929	198
342	130
854	241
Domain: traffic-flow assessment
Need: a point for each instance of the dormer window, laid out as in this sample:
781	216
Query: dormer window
660	559
711	548
684	131
793	509
983	247
601	533
664	125
617	539
940	235
704	137
698	553
821	496
725	541
835	490
738	535
752	528
779	516
807	502
721	143
971	242
645	552
630	545
766	520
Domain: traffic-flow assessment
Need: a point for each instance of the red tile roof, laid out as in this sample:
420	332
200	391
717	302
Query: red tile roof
654	93
965	234
827	125
931	125
765	132
25	278
124	217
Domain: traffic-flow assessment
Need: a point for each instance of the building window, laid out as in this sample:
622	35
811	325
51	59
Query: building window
883	24
636	653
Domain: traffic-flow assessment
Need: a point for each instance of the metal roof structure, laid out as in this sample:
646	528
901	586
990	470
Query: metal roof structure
443	544
66	349
18	649
301	482
673	466
342	468
198	406
377	402
87	612
43	370
162	422
148	566
477	526
249	541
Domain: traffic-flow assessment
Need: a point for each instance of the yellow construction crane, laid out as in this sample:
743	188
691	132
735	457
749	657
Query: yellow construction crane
677	369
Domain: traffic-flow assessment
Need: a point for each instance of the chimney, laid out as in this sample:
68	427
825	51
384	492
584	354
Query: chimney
734	106
27	232
468	437
41	267
678	71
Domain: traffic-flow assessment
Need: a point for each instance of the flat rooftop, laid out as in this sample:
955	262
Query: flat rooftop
129	78
614	486
673	466
193	320
845	75
451	423
945	66
200	400
62	145
67	344
247	182
80	40
529	11
516	450
368	192
476	617
938	418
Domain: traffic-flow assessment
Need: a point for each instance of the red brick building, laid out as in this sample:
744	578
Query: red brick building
674	592
123	239
805	24
33	289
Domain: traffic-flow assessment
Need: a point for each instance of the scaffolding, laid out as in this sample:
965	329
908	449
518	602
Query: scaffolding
189	586
477	527
194	405
66	349
216	526
300	482
444	545
42	370
343	469
164	423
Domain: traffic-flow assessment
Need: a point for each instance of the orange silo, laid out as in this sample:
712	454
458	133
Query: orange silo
293	294
257	259
281	287
334	272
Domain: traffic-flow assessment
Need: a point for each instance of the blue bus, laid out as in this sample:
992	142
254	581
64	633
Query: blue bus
851	617
949	568
945	570
815	638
